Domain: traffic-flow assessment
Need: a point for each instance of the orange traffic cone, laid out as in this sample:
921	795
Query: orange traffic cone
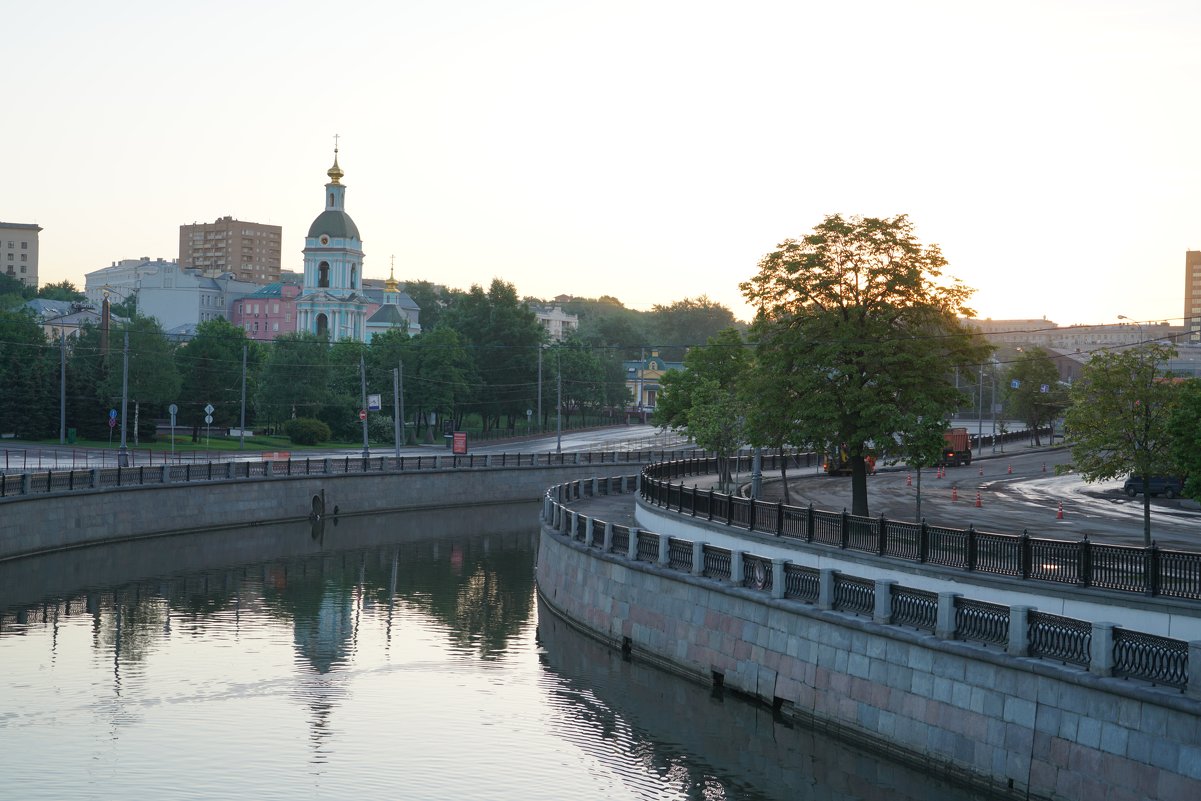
1011	470
977	499
1059	516
909	479
981	469
954	493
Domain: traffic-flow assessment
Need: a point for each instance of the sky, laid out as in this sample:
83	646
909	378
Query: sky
647	150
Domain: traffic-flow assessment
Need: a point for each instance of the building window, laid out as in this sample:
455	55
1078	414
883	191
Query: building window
275	326
24	257
24	246
322	273
322	325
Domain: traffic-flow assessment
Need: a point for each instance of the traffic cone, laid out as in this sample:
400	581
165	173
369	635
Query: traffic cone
981	469
1059	516
1011	470
978	499
909	479
954	493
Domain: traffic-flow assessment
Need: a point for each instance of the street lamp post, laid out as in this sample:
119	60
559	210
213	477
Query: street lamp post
123	451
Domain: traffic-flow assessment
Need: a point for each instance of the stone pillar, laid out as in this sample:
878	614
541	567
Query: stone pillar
632	548
546	508
487	460
736	568
268	468
1100	650
883	610
1019	644
229	469
664	550
1193	690
569	524
166	479
325	465
589	525
25	479
698	558
825	588
777	578
437	461
558	518
95	478
944	626
595	486
608	544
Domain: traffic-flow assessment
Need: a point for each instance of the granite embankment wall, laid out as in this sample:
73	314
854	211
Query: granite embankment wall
1025	728
38	523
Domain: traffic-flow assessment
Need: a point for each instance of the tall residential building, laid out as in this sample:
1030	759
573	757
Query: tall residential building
19	251
1192	295
248	251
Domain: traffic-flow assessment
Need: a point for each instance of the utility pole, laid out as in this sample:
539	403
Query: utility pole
123	452
363	387
539	387
397	420
559	405
242	423
62	386
980	415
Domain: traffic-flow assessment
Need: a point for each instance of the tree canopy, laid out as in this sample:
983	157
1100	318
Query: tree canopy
1032	390
870	332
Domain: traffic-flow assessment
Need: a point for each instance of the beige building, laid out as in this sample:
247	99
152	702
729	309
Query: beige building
1192	295
19	251
249	251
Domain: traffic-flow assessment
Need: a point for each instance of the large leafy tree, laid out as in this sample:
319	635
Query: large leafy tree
1184	428
688	323
28	376
63	290
873	331
1032	390
295	378
211	368
1119	420
706	400
154	380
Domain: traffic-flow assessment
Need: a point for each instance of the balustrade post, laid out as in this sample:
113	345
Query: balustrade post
882	611
737	572
844	534
698	558
546	508
588	529
557	521
1084	566
1152	569
166	478
750	513
1193	688
882	537
94	479
595	486
711	503
229	469
569	520
1019	637
608	541
923	542
664	550
777	578
1100	650
692	498
971	547
26	479
325	465
825	588
488	460
944	625
809	523
729	509
1025	555
632	547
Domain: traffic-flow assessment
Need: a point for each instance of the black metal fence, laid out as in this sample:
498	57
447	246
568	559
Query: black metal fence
1159	660
1082	563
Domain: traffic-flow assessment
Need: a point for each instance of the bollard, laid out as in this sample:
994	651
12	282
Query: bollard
977	499
1059	515
955	493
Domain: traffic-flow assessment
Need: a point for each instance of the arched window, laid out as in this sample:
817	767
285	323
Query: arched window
331	200
354	272
323	274
322	325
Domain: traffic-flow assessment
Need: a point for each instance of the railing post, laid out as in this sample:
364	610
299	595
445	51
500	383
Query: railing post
632	546
882	537
780	519
1100	650
570	520
1153	569
825	588
1193	689
750	514
488	460
729	508
268	468
809	523
882	612
923	542
698	558
588	529
971	547
1024	555
325	465
944	626
711	503
777	578
1084	566
1019	638
25	483
608	542
595	486
229	469
664	550
546	508
844	534
736	569
692	498
94	480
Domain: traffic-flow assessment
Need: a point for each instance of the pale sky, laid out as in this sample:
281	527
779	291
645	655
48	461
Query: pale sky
647	150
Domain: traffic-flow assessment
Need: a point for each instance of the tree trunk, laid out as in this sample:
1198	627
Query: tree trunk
1147	511
858	485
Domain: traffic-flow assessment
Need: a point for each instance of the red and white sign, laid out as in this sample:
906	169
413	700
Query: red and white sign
459	445
362	414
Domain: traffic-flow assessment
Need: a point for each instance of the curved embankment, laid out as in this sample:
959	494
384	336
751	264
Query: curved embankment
1021	727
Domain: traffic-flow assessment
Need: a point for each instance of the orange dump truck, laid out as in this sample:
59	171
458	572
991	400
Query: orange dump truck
958	447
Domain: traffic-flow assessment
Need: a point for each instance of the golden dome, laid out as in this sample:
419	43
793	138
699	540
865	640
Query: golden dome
335	172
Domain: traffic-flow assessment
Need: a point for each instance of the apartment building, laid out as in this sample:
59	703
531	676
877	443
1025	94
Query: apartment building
248	251
19	251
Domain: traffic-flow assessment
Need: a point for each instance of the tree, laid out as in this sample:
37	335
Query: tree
688	323
295	380
1119	420
706	401
153	377
1032	390
1184	428
26	376
873	332
211	368
64	290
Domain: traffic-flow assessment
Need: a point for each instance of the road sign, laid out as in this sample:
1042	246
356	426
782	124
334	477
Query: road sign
362	414
209	409
459	442
173	410
208	419
373	403
112	414
112	422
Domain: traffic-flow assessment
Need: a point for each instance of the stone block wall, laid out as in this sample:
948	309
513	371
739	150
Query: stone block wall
1024	727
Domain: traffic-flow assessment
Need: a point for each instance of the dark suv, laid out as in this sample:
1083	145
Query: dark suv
1167	486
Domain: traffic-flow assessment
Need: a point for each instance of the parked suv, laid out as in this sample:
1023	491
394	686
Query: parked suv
1167	486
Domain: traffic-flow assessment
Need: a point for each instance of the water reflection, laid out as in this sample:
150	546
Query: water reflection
393	656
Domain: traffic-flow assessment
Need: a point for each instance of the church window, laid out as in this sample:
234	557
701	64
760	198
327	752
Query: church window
354	271
331	200
323	274
322	325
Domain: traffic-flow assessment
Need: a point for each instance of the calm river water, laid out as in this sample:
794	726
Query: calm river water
398	656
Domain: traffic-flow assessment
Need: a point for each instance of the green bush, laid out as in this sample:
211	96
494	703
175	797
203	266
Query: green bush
306	431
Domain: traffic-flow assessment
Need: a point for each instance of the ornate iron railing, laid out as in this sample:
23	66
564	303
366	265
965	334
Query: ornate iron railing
981	621
1058	637
1159	660
913	607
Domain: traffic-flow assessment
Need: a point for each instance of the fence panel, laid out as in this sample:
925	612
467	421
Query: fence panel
1055	560
717	562
914	607
756	572
801	583
1058	637
980	621
854	594
1160	660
